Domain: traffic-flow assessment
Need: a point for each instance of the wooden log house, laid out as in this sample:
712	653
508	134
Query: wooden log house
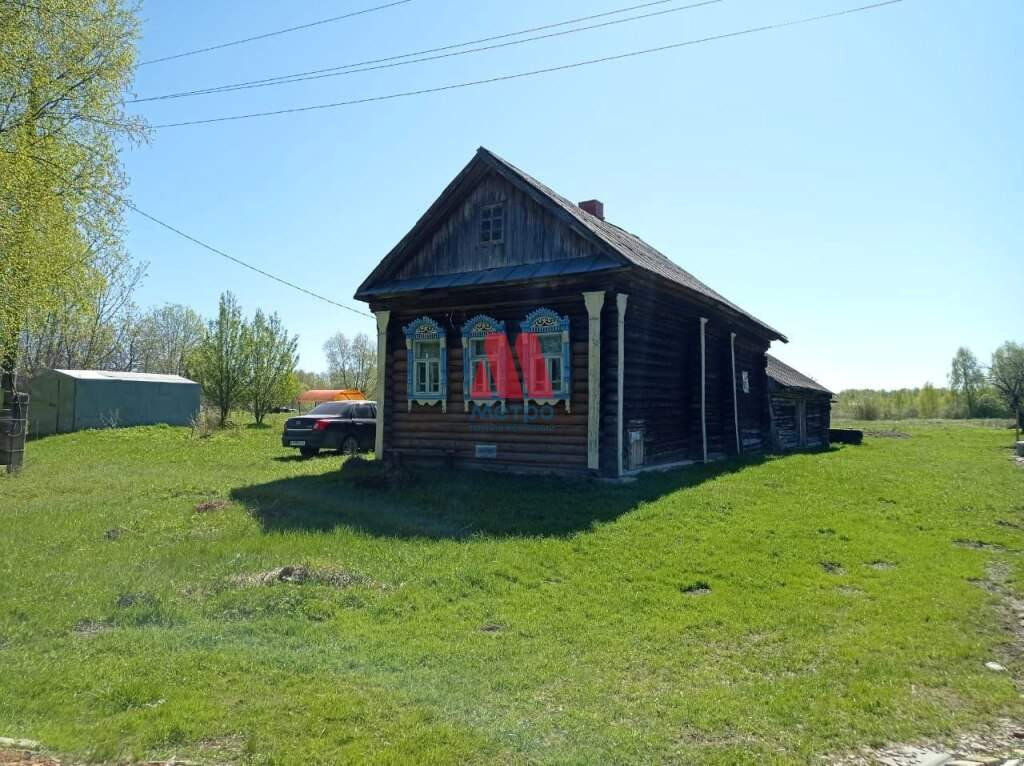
520	331
801	409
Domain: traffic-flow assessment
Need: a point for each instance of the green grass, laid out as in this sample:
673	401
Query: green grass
724	615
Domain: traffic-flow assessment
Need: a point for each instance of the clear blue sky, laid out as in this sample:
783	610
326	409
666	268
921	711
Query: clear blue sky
857	183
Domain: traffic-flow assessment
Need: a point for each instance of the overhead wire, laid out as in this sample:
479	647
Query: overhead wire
274	33
389	61
533	72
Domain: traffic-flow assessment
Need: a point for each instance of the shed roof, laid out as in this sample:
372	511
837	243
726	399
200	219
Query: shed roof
626	246
786	376
140	377
332	395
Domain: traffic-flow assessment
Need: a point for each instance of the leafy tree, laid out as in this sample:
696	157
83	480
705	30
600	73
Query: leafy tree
1007	376
308	380
222	361
64	69
928	402
352	363
97	328
167	336
272	360
966	378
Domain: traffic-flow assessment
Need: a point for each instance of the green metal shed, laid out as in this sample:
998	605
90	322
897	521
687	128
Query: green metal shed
71	400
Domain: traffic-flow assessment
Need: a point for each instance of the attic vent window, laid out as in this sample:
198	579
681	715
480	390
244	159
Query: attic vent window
492	224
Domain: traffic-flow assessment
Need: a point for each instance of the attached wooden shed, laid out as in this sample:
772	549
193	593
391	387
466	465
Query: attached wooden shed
801	408
72	400
519	330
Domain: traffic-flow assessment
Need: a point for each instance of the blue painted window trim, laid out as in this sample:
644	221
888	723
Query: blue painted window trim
477	328
544	321
426	329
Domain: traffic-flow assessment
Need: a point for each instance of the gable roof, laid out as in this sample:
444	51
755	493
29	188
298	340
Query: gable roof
628	249
786	376
137	377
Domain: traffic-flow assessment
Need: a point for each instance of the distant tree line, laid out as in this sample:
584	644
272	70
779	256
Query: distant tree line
974	391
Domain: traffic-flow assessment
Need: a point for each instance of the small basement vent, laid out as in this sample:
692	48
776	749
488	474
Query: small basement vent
635	432
487	451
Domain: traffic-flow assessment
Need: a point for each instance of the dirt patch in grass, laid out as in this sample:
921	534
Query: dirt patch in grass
699	588
114	534
292	574
979	545
882	565
25	758
893	434
492	627
833	567
89	628
209	506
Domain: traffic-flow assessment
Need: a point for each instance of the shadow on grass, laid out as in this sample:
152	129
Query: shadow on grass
451	504
297	458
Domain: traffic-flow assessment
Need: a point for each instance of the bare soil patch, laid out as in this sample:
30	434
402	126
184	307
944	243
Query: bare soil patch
296	574
209	506
893	434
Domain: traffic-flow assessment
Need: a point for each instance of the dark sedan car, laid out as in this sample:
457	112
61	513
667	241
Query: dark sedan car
348	427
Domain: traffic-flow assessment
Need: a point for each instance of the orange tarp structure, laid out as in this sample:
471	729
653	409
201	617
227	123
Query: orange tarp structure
331	395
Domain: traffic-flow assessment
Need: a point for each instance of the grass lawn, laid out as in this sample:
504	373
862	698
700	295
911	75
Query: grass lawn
764	612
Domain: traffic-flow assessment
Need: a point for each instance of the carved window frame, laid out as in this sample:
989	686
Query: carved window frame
545	321
426	330
478	328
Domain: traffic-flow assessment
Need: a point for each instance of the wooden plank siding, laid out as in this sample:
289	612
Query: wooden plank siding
531	235
556	444
662	333
663	378
788	408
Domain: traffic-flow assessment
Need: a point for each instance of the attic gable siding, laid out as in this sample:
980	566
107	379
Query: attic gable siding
532	235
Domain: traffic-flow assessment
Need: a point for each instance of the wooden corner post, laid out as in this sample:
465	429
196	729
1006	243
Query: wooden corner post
594	301
735	395
703	389
382	370
620	301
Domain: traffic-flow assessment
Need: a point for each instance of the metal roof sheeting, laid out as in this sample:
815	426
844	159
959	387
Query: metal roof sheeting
145	377
492	276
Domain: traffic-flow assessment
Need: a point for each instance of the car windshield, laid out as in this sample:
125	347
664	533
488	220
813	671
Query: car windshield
330	408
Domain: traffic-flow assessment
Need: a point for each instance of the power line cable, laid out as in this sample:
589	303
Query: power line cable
119	199
240	262
369	64
534	72
275	33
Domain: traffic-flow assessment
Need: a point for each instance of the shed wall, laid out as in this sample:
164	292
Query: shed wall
117	403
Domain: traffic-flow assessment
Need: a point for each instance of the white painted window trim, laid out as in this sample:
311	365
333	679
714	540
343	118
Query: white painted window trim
620	300
594	301
383	317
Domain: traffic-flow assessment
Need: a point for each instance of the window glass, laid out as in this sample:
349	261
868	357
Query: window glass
330	408
362	411
428	349
492	223
427	371
551	343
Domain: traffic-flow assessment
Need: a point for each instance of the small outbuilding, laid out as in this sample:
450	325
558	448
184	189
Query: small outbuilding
801	408
62	401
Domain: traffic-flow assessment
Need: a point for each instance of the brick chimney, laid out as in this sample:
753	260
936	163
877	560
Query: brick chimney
593	206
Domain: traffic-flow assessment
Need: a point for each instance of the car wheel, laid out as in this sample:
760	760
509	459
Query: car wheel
349	446
309	451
